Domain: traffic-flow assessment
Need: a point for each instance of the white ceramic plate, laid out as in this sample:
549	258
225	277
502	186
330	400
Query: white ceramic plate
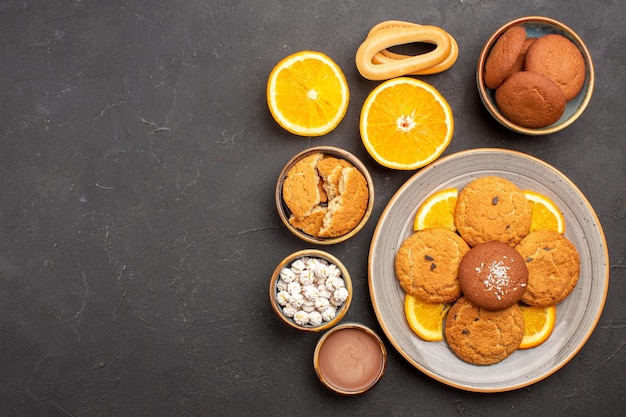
577	315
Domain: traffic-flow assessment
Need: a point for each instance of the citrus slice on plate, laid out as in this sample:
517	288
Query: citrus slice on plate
437	211
538	325
406	123
307	93
425	319
545	214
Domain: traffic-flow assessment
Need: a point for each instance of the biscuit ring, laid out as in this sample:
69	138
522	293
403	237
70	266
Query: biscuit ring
386	56
384	38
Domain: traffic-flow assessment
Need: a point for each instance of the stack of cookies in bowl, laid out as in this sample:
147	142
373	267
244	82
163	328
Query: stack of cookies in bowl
535	75
487	268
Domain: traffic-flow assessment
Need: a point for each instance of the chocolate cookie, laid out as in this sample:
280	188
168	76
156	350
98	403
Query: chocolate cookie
503	57
427	265
553	267
559	59
530	99
492	208
493	276
483	337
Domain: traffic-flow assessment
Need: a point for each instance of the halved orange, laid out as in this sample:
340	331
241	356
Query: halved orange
538	325
307	93
545	214
437	211
406	123
425	319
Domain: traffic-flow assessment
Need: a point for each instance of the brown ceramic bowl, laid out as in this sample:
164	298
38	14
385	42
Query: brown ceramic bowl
537	26
284	212
277	281
350	359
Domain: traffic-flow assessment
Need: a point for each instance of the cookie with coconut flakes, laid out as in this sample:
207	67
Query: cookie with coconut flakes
493	276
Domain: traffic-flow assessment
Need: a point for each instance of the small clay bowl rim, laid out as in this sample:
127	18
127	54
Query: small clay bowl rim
283	211
311	253
349	325
574	107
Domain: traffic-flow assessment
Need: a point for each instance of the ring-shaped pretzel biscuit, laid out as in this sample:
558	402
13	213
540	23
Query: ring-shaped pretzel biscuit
391	62
383	39
385	55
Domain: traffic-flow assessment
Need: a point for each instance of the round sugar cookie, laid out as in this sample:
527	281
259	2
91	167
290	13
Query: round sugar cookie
492	208
427	265
483	337
553	267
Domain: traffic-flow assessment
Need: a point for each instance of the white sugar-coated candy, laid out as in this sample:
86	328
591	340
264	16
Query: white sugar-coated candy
308	305
287	275
339	296
315	318
283	298
301	317
321	303
296	300
281	285
289	310
306	277
333	271
294	288
333	283
298	266
329	313
310	292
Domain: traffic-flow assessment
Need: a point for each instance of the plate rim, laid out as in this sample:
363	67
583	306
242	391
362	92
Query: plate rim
377	231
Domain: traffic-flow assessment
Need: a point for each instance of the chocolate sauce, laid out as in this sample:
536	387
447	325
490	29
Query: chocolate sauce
350	359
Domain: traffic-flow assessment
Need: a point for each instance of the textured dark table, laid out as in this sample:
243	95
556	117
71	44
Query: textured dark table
138	229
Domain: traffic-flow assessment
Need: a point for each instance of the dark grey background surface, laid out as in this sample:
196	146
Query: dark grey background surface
138	229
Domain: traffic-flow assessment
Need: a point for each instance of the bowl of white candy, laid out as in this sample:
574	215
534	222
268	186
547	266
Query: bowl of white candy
310	290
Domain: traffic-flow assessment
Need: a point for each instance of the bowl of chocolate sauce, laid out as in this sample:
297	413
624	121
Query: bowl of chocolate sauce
350	359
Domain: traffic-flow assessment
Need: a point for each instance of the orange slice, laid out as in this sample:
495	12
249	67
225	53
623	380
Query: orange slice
406	123
538	325
437	211
545	214
307	93
425	319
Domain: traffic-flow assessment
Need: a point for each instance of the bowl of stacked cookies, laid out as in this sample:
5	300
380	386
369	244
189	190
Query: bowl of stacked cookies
324	195
535	75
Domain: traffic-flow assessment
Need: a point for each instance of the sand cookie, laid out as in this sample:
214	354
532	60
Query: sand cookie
492	208
300	189
503	60
553	267
347	208
559	59
327	196
427	265
312	223
483	337
530	99
493	276
330	170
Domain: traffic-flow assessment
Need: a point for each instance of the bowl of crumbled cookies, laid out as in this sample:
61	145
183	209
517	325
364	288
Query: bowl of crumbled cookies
535	75
310	290
324	195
